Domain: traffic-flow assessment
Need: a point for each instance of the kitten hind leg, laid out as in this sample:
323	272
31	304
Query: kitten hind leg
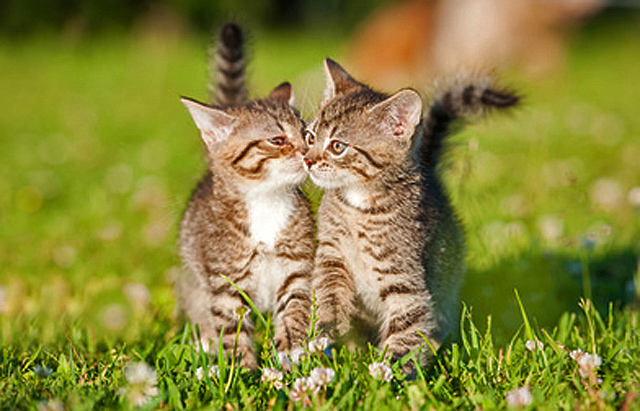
405	322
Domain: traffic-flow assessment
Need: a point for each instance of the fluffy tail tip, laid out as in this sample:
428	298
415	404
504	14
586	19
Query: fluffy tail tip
499	98
231	35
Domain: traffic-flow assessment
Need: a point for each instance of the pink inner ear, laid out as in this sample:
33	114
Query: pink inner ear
210	134
398	123
398	128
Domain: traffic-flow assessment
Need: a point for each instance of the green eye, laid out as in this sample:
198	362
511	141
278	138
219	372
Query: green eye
337	147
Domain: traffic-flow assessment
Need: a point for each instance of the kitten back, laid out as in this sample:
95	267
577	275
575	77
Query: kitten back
455	102
227	67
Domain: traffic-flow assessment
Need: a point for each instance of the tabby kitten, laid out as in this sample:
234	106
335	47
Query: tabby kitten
247	219
390	247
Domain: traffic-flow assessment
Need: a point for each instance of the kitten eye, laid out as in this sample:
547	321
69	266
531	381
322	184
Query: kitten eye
337	147
309	138
277	141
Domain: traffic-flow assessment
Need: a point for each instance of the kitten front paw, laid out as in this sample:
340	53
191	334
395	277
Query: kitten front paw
248	360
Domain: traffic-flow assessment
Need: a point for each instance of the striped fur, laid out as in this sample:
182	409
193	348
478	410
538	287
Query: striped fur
226	68
389	243
247	220
459	100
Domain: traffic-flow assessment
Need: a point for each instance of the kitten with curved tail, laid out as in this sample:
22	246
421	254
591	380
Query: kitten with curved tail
247	218
390	247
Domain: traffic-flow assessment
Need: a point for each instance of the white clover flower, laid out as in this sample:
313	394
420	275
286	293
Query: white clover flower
296	355
302	389
285	362
273	376
140	373
634	196
531	345
214	372
519	397
318	345
607	193
551	228
587	363
321	377
50	405
380	371
142	381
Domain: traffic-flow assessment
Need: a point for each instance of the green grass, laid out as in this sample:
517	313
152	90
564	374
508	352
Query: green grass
97	160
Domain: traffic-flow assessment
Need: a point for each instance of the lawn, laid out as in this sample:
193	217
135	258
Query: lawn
97	160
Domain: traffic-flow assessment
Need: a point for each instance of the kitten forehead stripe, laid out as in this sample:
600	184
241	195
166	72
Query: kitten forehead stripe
368	157
244	152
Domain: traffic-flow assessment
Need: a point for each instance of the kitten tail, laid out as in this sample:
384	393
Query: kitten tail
226	66
461	101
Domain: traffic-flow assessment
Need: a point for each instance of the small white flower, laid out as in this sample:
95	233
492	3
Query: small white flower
576	354
285	362
587	363
273	376
318	345
380	371
142	381
531	345
551	228
296	354
321	377
634	196
519	397
50	405
140	373
214	372
302	389
607	193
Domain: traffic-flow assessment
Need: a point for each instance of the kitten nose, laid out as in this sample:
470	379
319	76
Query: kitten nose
309	162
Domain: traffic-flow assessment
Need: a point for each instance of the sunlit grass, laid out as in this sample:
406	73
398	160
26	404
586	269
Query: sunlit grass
97	160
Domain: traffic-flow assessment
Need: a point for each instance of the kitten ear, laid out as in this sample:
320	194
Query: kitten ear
338	80
399	114
214	125
283	93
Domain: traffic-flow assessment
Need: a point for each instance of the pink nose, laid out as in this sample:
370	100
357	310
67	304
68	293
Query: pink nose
309	162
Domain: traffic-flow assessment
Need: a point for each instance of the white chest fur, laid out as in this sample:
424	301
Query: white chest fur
356	197
269	213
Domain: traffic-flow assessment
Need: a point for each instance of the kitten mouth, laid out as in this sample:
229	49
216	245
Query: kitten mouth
323	181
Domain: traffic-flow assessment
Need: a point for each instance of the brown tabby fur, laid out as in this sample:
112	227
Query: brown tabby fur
248	220
390	247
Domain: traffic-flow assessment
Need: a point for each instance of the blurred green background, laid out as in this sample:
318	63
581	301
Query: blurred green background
98	158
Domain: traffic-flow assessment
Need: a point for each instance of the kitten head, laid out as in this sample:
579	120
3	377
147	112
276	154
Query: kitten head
359	134
257	144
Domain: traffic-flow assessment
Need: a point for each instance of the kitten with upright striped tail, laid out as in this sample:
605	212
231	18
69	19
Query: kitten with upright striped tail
247	218
390	247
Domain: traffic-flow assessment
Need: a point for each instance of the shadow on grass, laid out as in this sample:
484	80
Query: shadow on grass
549	284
